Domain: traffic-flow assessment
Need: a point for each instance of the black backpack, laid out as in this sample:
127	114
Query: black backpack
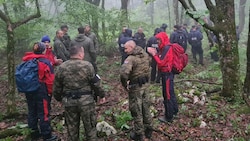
181	39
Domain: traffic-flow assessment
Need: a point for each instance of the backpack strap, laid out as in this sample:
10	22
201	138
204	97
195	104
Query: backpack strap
47	62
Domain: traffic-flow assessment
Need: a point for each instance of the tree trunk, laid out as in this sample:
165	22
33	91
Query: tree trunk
242	15
103	24
94	17
176	11
124	12
152	13
11	103
247	78
228	47
10	26
169	14
223	16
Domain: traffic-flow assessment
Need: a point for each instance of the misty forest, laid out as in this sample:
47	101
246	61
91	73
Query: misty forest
213	98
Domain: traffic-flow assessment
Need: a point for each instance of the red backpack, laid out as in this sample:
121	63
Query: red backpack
180	58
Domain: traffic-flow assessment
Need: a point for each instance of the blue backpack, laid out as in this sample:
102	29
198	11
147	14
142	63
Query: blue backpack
27	79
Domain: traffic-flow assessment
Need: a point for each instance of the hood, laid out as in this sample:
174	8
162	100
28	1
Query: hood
31	55
128	32
164	39
80	38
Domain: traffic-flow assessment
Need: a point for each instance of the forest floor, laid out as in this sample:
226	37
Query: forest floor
203	115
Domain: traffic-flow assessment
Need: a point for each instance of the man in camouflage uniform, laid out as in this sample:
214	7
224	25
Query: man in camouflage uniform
135	69
87	44
59	48
92	36
74	81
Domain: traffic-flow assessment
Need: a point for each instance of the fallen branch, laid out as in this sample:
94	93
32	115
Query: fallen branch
162	132
10	132
196	80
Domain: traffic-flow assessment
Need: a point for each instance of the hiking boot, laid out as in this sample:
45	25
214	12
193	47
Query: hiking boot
136	137
148	133
51	138
165	120
35	136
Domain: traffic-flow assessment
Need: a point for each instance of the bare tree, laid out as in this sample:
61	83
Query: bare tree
176	11
246	94
242	15
223	16
124	10
10	27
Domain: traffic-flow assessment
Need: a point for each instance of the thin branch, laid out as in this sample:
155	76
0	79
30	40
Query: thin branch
25	20
209	5
191	5
4	17
184	4
196	80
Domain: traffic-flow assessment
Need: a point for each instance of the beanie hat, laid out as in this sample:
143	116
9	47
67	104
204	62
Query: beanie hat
164	26
39	48
45	38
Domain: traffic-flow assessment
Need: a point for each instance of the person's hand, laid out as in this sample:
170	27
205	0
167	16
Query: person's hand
59	61
152	51
102	100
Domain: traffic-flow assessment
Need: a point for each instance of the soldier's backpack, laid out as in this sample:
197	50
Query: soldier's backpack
180	58
26	75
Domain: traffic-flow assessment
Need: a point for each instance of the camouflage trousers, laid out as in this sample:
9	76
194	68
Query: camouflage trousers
139	105
87	113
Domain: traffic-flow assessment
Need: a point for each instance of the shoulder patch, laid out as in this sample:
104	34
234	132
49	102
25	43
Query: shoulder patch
126	62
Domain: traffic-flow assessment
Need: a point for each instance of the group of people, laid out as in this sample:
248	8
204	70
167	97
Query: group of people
76	84
69	73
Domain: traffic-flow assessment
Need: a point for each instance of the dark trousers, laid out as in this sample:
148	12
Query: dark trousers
170	101
154	74
38	112
197	49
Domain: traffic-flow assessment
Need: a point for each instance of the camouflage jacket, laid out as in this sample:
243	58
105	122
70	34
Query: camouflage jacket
87	44
75	74
136	65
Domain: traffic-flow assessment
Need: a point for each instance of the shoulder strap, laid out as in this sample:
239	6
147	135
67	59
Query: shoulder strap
47	62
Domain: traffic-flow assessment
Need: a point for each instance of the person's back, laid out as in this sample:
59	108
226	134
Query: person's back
74	82
87	44
39	101
195	37
140	38
179	37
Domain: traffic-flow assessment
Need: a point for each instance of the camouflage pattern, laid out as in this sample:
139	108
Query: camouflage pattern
76	74
60	50
93	37
88	116
88	45
137	65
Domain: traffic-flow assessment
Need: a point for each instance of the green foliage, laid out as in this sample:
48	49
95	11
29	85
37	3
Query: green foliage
122	119
7	139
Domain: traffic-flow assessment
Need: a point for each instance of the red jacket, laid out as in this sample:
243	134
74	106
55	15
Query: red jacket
50	55
164	57
45	69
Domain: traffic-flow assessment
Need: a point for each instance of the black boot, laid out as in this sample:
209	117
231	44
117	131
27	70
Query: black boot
35	136
136	137
50	138
148	133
